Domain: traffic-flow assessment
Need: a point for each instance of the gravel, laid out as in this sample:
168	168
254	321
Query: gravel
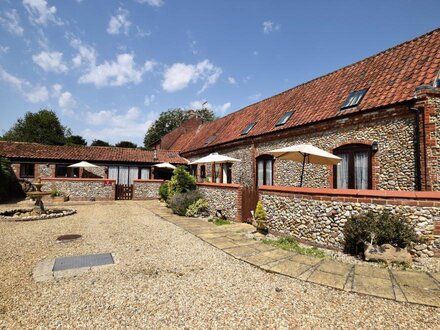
166	278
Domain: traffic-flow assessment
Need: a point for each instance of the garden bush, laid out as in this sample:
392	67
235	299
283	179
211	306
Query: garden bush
5	178
180	202
378	228
200	206
181	182
163	192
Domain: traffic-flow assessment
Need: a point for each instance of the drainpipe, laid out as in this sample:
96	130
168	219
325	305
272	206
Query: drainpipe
418	166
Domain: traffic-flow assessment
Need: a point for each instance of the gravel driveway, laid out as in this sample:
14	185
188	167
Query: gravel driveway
166	278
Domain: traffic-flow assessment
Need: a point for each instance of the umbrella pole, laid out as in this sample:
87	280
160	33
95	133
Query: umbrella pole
302	171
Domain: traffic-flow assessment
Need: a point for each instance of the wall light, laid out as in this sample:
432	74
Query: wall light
375	146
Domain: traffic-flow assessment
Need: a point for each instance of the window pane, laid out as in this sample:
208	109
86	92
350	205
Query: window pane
268	172
145	173
113	173
342	172
134	174
123	175
361	170
260	172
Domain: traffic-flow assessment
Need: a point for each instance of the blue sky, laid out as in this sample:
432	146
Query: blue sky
108	68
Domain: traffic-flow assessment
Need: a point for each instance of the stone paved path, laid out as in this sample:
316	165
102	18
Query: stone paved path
405	286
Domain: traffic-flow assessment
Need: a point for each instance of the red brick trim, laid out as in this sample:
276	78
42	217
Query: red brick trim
149	180
77	179
218	185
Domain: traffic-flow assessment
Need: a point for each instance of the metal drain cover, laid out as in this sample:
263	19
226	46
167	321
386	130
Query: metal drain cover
69	237
90	260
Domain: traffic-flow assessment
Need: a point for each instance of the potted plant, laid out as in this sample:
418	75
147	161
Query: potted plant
259	218
58	196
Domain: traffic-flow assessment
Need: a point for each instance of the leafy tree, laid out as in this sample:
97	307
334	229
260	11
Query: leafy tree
126	144
40	127
181	182
75	140
169	120
100	143
5	177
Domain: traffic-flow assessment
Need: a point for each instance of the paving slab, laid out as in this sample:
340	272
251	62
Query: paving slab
241	251
290	268
306	259
422	296
372	271
415	280
329	279
373	286
221	242
334	267
263	247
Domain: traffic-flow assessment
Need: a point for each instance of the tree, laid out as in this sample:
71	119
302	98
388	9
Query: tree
40	127
75	140
100	143
169	120
126	144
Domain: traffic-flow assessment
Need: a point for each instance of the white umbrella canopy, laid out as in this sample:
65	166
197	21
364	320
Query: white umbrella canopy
306	153
83	164
215	158
165	165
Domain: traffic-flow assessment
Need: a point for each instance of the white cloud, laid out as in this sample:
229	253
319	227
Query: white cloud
220	110
56	90
118	73
255	96
11	22
4	49
116	127
86	54
232	80
40	13
179	75
50	61
153	3
149	99
33	94
141	33
269	26
66	100
119	22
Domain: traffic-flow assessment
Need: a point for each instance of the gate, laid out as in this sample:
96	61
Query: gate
124	192
249	199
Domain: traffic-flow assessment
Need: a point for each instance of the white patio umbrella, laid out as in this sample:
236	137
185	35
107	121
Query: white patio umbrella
306	153
83	164
165	165
215	158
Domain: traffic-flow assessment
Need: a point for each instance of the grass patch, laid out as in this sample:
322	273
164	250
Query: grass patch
290	244
219	222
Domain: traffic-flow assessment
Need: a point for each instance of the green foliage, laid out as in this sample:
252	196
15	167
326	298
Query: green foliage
40	127
260	216
163	192
75	140
181	181
198	207
220	222
180	202
171	119
382	228
126	144
56	193
290	244
5	177
100	143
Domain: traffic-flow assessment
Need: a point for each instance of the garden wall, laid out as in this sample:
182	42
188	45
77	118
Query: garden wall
146	189
318	215
224	197
81	188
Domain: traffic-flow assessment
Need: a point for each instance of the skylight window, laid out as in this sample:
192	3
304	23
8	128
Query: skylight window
247	129
354	99
284	118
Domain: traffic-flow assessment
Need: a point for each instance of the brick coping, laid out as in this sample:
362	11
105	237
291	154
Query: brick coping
77	179
218	185
387	194
149	180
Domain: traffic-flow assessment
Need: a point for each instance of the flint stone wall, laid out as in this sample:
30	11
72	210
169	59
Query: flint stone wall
146	189
321	222
224	197
81	189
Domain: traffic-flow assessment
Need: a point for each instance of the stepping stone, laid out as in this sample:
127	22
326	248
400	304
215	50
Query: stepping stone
329	279
305	259
288	267
422	296
334	267
90	260
371	272
374	286
241	251
415	280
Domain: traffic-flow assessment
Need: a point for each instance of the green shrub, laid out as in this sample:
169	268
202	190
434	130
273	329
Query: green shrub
163	192
198	207
181	182
180	202
5	177
383	228
290	244
260	216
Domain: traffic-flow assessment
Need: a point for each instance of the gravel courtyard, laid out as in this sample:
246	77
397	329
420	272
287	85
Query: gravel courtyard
166	278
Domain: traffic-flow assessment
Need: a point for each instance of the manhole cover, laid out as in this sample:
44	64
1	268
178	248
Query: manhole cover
69	237
90	260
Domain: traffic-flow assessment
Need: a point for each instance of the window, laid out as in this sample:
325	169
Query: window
284	118
354	171
265	170
247	129
227	172
63	171
27	170
354	99
145	173
202	171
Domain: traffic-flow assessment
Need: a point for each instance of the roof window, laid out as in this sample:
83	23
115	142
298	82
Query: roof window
354	99
247	128
284	118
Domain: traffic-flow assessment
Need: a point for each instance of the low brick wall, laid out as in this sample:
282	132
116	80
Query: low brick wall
224	197
81	188
146	189
318	215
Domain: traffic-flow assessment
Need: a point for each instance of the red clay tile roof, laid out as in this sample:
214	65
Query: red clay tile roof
26	150
390	77
179	137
